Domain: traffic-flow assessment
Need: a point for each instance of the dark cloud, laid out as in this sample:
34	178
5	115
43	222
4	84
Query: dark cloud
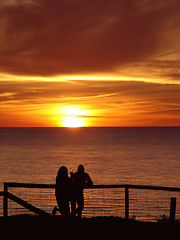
46	37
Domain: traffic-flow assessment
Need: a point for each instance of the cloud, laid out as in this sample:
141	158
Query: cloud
35	92
113	94
10	3
46	37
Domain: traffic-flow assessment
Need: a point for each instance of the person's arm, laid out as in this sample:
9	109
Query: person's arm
89	181
71	175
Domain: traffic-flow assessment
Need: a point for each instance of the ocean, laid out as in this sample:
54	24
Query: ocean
132	155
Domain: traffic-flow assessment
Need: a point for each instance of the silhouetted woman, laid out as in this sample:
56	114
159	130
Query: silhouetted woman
63	191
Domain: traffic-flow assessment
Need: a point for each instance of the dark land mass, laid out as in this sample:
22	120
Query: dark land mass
56	227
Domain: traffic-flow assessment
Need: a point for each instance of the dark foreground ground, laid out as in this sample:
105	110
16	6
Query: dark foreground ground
56	227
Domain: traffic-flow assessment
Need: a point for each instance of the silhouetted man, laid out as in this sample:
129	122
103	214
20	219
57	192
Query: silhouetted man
80	180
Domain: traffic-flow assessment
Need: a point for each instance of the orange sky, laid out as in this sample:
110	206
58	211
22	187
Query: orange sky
89	63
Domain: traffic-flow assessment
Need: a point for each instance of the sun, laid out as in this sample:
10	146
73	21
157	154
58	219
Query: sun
73	122
73	116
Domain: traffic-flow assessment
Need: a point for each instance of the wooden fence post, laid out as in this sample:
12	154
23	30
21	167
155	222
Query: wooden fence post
126	202
5	202
173	209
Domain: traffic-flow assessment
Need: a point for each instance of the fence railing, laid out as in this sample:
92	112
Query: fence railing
126	187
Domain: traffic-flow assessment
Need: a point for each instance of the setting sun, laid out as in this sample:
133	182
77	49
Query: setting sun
73	122
72	116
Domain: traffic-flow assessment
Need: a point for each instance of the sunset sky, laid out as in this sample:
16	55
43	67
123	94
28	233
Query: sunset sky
89	63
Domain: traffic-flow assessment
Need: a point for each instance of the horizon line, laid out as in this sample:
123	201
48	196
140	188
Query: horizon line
100	127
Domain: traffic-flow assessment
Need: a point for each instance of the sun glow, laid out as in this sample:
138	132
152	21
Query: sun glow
73	116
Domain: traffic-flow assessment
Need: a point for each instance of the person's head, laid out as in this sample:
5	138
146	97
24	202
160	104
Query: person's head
80	168
63	172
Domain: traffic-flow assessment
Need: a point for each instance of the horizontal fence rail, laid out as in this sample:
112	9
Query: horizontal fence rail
125	188
41	185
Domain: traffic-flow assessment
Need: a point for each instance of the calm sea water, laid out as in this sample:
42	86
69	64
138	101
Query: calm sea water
110	155
149	156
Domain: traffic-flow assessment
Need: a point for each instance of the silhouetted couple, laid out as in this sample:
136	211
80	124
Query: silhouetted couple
70	189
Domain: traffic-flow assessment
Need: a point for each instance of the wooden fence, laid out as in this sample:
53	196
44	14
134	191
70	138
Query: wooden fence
7	195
